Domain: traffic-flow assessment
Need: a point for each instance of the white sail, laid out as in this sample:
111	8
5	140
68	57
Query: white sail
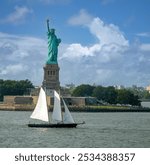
56	115
41	112
67	118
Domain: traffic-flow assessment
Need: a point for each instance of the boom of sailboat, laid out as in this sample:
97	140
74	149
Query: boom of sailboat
57	119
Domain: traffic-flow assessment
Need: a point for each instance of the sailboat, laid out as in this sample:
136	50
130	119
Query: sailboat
57	118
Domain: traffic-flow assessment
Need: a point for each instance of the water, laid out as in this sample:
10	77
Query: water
101	130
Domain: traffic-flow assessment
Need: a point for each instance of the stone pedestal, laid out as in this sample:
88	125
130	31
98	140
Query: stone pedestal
51	78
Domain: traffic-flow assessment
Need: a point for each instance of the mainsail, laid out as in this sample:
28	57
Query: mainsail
41	112
67	118
57	115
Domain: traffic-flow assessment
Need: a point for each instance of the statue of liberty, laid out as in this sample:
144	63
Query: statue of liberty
53	43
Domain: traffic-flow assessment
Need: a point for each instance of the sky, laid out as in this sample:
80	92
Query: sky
103	42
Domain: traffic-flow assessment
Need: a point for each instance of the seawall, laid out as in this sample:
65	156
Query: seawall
16	107
30	107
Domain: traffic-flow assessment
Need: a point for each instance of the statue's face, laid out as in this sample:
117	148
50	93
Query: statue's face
53	31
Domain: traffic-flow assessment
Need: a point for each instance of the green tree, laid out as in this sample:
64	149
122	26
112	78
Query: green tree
110	95
99	93
127	97
12	87
146	95
83	90
107	94
139	91
1	94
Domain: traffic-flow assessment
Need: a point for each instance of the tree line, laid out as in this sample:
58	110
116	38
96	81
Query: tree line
13	87
108	94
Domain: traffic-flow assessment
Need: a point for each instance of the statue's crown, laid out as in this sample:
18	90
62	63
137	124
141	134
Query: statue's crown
52	30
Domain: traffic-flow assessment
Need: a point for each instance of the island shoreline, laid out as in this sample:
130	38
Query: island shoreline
20	107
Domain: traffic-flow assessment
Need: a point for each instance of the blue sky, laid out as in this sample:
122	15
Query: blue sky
106	42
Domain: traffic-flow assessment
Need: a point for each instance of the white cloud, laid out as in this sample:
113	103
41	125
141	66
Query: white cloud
76	50
144	34
13	69
17	16
145	47
55	1
22	57
82	18
106	2
107	33
110	39
110	61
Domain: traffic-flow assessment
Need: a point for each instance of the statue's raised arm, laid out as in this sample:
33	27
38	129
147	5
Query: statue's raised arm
48	25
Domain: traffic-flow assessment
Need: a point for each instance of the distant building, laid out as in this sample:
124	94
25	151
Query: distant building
18	100
145	103
119	87
32	100
148	88
81	101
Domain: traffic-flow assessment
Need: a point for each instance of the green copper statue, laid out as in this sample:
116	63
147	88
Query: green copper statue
53	43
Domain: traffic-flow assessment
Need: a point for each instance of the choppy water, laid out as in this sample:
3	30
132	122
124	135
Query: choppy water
100	130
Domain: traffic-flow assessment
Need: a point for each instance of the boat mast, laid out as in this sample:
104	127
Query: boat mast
62	113
61	106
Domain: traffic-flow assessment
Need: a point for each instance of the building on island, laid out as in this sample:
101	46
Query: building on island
148	88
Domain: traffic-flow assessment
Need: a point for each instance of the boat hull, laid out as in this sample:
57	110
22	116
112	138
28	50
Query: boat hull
53	125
